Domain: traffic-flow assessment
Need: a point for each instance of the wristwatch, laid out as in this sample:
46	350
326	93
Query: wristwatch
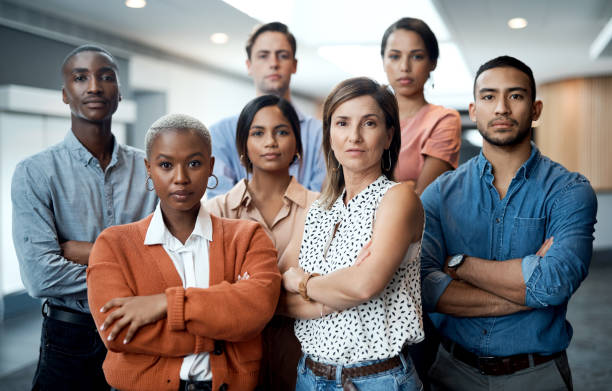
456	261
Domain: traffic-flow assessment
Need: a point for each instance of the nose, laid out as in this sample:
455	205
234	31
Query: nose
94	86
181	175
270	140
354	135
502	107
274	62
405	65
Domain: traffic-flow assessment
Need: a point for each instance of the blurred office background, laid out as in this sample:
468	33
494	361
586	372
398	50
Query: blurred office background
188	56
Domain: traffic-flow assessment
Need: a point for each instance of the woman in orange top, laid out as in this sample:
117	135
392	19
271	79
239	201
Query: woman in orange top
268	141
181	297
431	135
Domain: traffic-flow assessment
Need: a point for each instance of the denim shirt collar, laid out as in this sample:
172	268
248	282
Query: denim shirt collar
484	166
81	153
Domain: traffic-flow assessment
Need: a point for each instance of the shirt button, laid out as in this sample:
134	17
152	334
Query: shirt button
223	387
484	332
497	220
109	212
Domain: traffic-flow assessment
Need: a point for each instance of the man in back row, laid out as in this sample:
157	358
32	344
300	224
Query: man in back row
270	62
508	240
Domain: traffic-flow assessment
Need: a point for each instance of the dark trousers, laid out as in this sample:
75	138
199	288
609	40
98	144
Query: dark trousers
71	357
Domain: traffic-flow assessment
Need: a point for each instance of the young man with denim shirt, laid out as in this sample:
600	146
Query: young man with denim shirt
508	240
63	197
270	62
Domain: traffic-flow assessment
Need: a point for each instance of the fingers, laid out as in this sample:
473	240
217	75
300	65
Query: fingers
116	302
119	325
110	319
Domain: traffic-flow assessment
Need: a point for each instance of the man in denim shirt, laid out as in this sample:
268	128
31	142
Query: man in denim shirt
270	62
63	197
508	240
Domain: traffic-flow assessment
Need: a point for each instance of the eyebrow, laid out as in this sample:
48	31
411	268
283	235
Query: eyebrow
85	70
363	116
163	156
511	89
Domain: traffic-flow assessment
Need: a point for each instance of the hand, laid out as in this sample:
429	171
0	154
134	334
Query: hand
363	253
77	252
135	311
545	246
292	279
449	271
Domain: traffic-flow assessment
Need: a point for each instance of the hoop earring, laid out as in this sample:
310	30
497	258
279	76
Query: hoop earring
216	182
298	156
147	183
383	161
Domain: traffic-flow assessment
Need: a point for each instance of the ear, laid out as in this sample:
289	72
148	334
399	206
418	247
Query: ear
65	96
295	64
472	111
390	135
212	163
433	65
536	110
248	66
148	166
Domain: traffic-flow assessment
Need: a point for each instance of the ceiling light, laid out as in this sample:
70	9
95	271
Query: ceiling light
517	23
135	3
219	38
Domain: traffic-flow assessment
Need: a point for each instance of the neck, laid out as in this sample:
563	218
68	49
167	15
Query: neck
268	184
96	137
355	182
286	94
506	160
410	105
180	223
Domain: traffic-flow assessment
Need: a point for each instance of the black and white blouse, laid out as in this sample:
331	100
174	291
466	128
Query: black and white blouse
376	329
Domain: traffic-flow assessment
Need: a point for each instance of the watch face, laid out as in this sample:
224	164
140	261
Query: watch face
455	260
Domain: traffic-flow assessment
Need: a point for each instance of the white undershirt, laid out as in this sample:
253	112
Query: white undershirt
192	264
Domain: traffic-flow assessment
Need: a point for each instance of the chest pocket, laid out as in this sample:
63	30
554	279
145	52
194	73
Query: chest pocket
527	236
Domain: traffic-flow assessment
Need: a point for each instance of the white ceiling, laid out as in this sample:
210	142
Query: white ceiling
555	43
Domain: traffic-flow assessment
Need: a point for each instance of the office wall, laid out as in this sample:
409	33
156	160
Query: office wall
575	130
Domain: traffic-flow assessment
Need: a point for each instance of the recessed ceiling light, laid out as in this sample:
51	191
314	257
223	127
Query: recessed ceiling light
135	3
517	23
219	38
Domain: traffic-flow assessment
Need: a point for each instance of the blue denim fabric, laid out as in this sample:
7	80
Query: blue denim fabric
464	215
228	169
402	378
71	358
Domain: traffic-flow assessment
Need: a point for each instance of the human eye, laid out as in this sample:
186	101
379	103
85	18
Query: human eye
256	133
393	56
165	165
418	56
516	96
108	77
284	56
487	97
369	123
282	132
80	77
195	163
341	123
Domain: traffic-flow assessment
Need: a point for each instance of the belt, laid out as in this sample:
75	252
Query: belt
192	385
496	366
66	315
329	371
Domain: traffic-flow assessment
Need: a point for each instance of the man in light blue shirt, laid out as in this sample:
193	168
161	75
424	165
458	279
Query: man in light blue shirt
508	240
271	62
62	198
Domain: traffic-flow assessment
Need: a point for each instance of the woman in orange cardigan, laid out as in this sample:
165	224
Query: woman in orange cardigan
181	297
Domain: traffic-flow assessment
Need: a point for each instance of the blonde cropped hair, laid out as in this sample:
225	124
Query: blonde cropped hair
176	122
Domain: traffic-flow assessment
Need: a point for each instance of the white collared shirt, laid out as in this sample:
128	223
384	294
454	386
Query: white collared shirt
192	264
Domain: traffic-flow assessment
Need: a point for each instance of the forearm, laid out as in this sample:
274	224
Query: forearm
501	278
294	306
342	289
76	251
53	276
464	300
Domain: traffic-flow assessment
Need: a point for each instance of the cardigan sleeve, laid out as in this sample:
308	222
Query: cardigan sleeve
232	311
108	277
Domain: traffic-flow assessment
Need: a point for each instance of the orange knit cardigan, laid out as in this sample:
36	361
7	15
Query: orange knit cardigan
225	319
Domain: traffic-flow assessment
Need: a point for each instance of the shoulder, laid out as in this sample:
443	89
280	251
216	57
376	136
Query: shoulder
236	228
437	111
562	183
131	152
218	205
42	164
224	125
402	205
450	182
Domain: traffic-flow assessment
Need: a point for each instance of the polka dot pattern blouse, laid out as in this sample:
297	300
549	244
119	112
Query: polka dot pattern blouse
376	329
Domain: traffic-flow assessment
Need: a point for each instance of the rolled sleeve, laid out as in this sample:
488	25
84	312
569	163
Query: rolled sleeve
552	279
433	251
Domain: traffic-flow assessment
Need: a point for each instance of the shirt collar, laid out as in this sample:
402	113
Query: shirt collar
83	155
239	195
158	233
526	168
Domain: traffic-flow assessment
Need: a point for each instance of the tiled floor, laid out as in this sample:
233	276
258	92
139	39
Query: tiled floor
590	353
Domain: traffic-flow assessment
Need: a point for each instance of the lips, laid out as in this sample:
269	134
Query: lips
405	81
506	122
95	102
180	195
274	76
271	156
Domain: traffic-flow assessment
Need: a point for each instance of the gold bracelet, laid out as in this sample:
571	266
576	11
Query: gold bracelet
304	283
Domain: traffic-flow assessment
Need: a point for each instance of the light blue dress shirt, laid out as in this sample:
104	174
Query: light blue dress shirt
62	194
228	169
465	215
